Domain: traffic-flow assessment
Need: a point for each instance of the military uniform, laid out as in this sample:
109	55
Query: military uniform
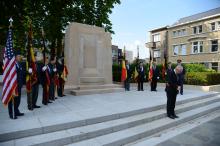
13	105
141	74
52	75
155	78
127	81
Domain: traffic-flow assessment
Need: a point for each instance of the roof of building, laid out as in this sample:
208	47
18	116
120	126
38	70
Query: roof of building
197	16
159	29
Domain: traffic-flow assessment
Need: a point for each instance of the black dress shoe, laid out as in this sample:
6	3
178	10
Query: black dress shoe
171	116
64	95
11	117
50	102
36	106
175	116
19	114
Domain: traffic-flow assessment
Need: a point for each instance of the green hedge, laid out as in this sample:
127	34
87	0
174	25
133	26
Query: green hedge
196	74
202	78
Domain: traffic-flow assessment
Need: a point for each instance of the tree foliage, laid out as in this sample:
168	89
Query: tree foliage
53	16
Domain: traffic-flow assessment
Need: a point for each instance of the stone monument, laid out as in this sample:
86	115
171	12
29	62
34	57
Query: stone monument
88	56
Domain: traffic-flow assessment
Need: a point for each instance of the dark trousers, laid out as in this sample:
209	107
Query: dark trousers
127	85
11	108
52	91
17	101
45	98
60	87
30	100
153	85
181	86
35	89
140	86
171	100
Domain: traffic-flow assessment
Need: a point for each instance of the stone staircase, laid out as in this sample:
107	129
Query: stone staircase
115	129
87	89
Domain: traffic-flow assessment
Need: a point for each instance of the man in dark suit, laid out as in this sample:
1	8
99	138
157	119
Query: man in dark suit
141	75
60	69
52	73
35	85
127	81
181	76
155	77
14	104
172	90
45	81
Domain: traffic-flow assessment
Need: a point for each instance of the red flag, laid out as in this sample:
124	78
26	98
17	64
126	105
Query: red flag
123	71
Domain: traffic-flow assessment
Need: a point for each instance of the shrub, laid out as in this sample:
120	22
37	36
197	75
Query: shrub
202	78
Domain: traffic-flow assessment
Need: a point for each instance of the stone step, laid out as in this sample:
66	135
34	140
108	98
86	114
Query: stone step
145	130
104	86
95	91
94	130
92	80
66	121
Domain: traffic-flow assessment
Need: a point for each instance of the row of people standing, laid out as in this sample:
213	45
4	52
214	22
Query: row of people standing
141	71
48	74
155	76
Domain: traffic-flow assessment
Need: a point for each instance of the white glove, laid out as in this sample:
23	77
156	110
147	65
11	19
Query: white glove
44	68
30	70
158	78
55	69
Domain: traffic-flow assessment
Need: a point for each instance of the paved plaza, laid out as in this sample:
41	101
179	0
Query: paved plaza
76	108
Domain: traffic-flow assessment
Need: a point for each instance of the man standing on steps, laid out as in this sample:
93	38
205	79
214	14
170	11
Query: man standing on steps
172	89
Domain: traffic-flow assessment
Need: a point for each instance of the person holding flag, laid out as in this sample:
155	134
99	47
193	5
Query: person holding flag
141	75
45	74
12	77
31	76
155	76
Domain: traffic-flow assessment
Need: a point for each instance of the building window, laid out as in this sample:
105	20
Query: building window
197	29
218	25
194	30
213	26
156	37
174	34
214	45
175	50
184	32
200	28
183	49
197	47
215	66
157	53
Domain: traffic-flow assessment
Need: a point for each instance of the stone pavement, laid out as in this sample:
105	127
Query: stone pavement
95	105
207	134
84	107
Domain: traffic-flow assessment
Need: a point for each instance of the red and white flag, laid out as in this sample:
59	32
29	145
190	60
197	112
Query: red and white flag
9	71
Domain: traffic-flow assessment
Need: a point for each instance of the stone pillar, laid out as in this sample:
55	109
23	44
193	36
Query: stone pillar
88	55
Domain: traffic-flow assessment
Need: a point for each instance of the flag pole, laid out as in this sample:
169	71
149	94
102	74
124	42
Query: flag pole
12	98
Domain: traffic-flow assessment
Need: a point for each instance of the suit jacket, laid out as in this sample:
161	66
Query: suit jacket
128	68
20	75
173	80
155	73
141	74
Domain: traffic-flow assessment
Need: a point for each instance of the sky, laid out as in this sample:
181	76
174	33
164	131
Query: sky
133	19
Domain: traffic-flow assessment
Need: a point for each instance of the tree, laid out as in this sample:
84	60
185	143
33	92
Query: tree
53	16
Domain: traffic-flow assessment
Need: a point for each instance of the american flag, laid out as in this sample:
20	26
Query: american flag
9	75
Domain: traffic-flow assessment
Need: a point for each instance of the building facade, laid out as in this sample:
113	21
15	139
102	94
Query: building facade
194	39
115	54
158	44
